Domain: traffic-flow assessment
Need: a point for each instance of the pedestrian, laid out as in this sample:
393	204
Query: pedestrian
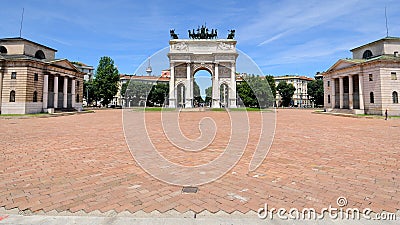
386	115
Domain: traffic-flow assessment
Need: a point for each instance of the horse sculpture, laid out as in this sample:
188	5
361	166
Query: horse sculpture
173	35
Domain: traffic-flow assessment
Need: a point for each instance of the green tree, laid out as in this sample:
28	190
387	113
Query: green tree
315	90
255	91
137	92
106	81
89	92
286	92
158	94
124	87
271	82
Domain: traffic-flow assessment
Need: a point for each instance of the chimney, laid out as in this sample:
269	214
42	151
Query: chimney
396	53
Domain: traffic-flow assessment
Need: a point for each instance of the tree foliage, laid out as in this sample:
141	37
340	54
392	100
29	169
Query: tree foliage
256	91
286	92
106	81
89	92
158	94
315	90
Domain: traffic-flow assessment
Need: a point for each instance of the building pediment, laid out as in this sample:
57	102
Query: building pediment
64	63
341	64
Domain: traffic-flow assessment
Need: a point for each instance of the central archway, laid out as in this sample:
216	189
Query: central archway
217	56
202	80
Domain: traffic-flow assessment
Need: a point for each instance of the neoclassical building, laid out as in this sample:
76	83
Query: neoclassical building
33	81
300	96
368	83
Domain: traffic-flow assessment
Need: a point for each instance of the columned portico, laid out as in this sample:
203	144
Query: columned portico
360	91
73	92
45	90
55	100
333	93
65	93
341	92
351	98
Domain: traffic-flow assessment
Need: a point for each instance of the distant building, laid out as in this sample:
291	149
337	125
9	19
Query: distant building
87	70
33	81
300	96
124	78
368	83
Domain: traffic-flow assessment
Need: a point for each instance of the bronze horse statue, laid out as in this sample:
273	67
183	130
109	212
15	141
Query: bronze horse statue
173	35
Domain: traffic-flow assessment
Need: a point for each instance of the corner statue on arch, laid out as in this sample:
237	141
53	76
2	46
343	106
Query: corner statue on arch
203	50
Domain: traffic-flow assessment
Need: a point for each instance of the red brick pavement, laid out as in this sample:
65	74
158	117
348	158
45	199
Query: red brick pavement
81	162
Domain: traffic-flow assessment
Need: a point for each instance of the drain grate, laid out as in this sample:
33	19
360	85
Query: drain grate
190	189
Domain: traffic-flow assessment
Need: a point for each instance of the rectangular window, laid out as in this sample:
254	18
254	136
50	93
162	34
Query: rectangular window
371	78
13	75
329	83
329	98
35	77
393	76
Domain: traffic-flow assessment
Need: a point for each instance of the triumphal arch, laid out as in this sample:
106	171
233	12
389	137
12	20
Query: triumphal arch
203	50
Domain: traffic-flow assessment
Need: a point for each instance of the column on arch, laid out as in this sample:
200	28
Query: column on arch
232	89
215	88
189	87
172	91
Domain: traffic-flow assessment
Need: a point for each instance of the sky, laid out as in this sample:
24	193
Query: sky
279	37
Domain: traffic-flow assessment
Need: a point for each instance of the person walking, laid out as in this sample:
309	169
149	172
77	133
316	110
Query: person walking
386	114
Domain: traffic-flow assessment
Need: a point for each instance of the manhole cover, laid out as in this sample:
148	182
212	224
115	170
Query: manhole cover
190	189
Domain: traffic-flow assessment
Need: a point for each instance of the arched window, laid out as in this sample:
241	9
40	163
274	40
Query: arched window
3	50
12	96
395	97
371	97
367	54
40	54
35	96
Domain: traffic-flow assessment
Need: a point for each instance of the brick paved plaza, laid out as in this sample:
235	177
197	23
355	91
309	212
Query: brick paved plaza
81	162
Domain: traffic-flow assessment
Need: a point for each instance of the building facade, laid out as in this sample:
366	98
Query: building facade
368	83
33	81
300	96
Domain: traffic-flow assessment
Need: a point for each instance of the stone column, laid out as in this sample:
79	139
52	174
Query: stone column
341	92
73	93
215	88
232	89
189	89
333	93
45	90
360	91
55	100
65	92
351	92
172	91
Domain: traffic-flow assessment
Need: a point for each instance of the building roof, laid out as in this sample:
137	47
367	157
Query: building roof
143	78
380	40
353	62
15	39
285	77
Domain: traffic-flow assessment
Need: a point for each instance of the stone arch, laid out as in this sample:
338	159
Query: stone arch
211	55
